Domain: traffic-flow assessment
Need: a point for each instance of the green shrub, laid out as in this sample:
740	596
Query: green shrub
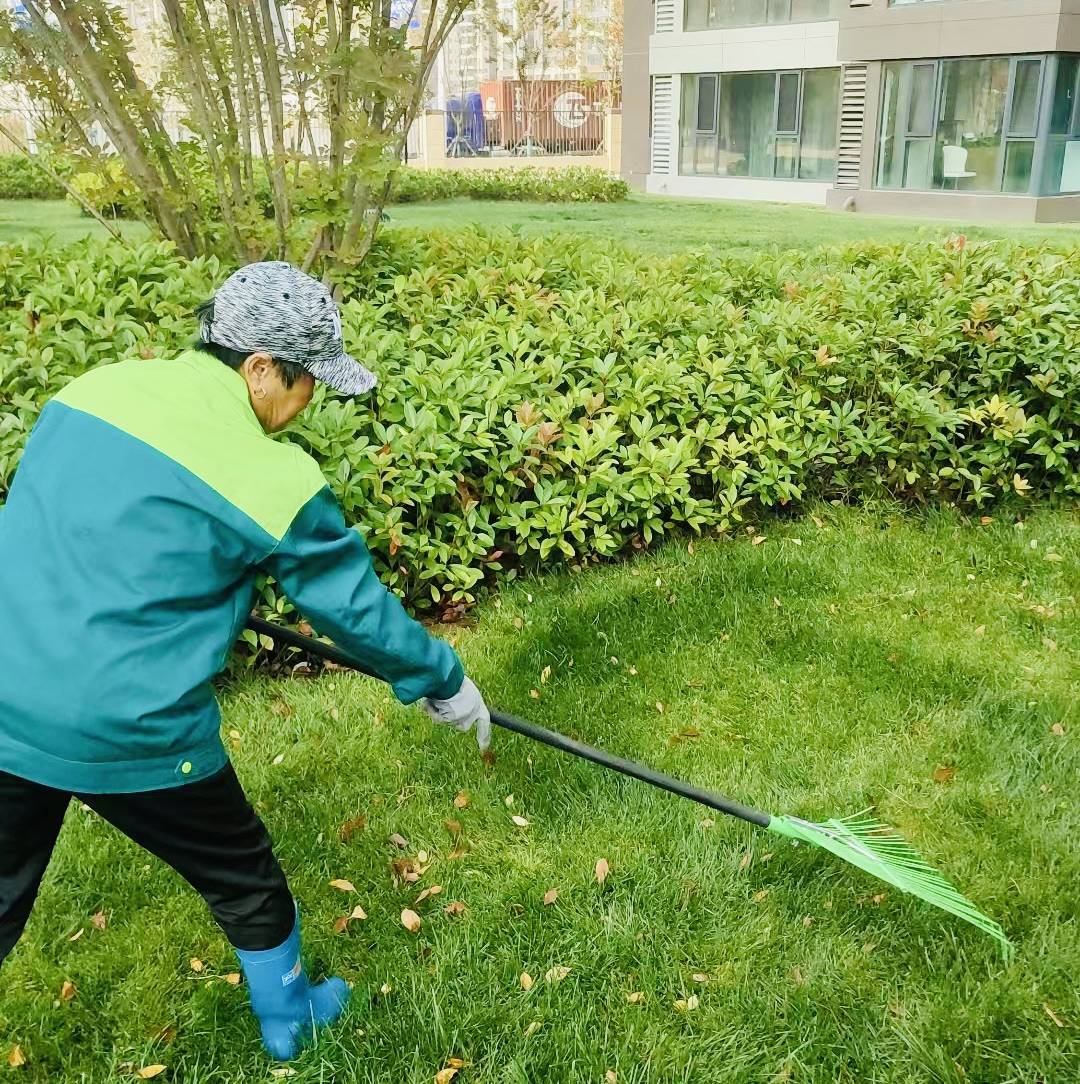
542	399
23	178
573	184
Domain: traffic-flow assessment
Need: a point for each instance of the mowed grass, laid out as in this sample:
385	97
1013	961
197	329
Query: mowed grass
923	667
657	224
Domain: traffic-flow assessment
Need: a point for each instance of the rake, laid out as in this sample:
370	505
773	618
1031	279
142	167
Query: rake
858	840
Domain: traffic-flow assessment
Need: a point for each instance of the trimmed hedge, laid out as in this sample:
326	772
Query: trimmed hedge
22	178
572	184
542	399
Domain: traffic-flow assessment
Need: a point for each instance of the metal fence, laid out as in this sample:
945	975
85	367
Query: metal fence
525	133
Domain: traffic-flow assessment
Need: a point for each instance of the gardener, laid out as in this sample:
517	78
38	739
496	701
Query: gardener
148	500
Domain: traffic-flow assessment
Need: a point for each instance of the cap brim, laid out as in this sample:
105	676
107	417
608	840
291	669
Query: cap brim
344	374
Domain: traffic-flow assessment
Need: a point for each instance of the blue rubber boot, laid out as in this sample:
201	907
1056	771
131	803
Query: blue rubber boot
289	1009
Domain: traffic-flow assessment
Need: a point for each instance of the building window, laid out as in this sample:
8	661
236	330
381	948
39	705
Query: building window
760	124
984	124
710	14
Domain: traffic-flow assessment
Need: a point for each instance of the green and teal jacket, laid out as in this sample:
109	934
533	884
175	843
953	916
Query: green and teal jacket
147	501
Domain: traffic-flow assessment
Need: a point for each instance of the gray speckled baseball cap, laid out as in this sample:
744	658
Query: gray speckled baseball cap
276	308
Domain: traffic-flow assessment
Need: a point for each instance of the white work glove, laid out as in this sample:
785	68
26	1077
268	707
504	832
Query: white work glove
465	709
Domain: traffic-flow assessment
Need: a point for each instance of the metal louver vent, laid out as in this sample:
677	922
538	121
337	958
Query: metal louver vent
661	124
665	16
852	116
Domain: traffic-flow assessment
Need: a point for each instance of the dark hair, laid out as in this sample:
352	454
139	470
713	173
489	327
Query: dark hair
289	371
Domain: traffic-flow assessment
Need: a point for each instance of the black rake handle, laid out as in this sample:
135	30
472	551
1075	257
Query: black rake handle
530	730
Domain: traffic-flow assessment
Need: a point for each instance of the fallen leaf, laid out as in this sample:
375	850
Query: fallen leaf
534	693
708	822
411	920
233	978
758	540
461	800
148	1072
458	852
986	520
422	857
1054	557
1020	485
456	1063
759	896
351	827
532	1029
943	773
1058	1022
556	974
196	964
518	623
434	890
526	980
444	1076
1057	730
282	1071
1050	645
808	920
796	976
550	896
688	1004
521	822
635	998
343	885
68	990
279	707
687	733
455	908
660	707
508	801
545	675
700	976
385	989
76	936
278	759
602	868
16	1059
99	920
610	1077
980	630
744	861
399	841
453	827
818	521
877	899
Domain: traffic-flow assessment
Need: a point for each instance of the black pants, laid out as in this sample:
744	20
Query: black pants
207	832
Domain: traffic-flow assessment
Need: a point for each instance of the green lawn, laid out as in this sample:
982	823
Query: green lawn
654	223
925	666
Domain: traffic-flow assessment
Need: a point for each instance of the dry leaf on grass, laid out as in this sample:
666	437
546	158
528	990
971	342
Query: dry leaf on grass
635	998
282	1071
453	827
411	920
99	920
1058	1022
357	914
148	1072
545	675
455	908
700	976
610	1077
399	841
461	800
68	990
943	773
342	885
521	822
16	1059
196	964
76	936
385	989
434	890
1057	730
526	980
534	693
687	1004
601	871
351	827
759	896
550	896
532	1029
556	974
444	1076
233	978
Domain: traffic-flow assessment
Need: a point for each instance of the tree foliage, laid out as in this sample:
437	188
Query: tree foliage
312	99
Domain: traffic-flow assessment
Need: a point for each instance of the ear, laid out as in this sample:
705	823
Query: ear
259	365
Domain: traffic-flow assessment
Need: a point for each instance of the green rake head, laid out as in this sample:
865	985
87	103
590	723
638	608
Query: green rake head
879	851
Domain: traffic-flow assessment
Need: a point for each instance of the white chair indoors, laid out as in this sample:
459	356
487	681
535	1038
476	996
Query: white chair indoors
954	164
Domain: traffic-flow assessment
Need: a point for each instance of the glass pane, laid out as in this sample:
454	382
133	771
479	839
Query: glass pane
778	11
706	103
746	124
917	158
804	11
1025	103
921	108
888	168
696	15
787	102
1018	156
821	96
746	13
1061	166
787	154
969	124
1061	110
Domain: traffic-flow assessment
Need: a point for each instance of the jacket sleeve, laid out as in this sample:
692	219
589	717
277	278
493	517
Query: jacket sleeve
325	569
